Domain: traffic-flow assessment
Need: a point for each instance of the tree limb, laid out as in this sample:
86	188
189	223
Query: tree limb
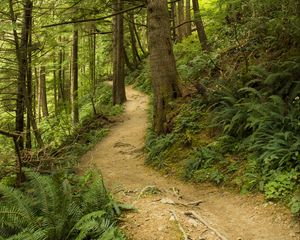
93	19
9	134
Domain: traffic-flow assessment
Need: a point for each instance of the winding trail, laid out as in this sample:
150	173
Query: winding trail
164	203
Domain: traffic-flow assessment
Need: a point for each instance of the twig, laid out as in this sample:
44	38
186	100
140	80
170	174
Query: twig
154	189
189	204
186	237
194	215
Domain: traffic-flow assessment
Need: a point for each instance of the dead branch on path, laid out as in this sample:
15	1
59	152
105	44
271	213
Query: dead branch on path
194	215
185	235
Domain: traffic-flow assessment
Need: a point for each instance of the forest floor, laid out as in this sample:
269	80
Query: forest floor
167	207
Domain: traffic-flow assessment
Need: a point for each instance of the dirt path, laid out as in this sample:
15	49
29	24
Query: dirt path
164	204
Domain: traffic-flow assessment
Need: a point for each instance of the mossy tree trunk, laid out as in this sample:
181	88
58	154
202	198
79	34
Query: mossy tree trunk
119	95
162	63
74	79
200	27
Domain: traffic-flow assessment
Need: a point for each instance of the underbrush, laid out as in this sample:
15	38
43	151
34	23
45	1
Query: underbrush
64	143
241	127
59	206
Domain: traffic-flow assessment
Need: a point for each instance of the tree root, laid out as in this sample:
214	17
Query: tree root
185	235
194	215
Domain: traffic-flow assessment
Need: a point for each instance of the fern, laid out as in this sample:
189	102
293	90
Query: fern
53	208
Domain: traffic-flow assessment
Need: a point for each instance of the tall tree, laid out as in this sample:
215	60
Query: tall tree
180	14
188	26
74	78
43	91
200	27
21	47
135	54
92	62
119	95
162	63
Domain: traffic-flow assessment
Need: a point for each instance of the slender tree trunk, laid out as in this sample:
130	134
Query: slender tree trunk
74	81
28	143
138	40
127	62
43	91
37	95
92	64
162	64
119	95
173	20
31	122
55	85
180	11
200	27
21	54
61	77
188	18
135	55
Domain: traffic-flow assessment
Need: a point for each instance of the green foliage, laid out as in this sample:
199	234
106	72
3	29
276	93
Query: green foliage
189	116
281	184
295	203
156	147
140	78
56	207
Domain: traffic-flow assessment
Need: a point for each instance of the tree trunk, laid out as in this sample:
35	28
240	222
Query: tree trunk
28	96
200	27
43	92
180	13
162	64
135	55
188	25
61	77
21	54
119	95
74	79
173	20
138	39
92	64
55	85
127	62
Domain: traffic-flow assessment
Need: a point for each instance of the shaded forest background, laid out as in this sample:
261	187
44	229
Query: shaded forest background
230	114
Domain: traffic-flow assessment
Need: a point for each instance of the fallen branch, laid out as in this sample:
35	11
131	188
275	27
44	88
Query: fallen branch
186	237
149	189
194	215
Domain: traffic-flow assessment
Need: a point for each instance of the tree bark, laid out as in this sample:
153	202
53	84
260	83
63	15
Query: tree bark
200	27
43	92
55	85
162	64
21	54
173	20
180	13
135	55
28	96
119	95
188	25
61	76
92	64
74	79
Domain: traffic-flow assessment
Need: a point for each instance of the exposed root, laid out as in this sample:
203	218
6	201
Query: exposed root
194	215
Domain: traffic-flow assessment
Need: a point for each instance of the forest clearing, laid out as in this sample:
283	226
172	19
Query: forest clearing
150	119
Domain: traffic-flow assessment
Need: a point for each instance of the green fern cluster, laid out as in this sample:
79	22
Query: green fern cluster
58	208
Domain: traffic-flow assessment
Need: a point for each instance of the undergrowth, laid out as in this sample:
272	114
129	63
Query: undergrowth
59	206
244	130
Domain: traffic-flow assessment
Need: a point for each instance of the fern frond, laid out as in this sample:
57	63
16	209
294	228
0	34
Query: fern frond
21	204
